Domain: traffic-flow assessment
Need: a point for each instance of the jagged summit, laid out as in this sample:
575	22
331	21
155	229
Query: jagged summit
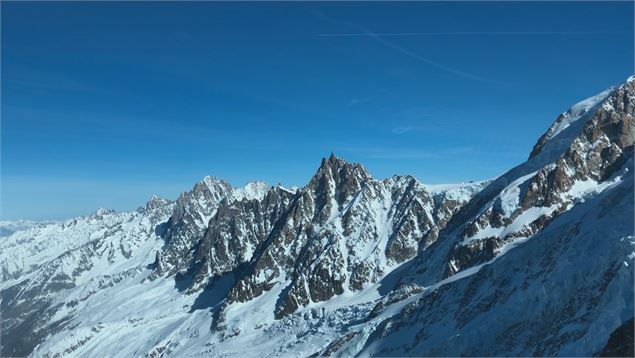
339	168
155	202
210	183
569	123
338	178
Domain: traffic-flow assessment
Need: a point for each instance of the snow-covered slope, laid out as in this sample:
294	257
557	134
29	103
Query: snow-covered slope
47	271
536	262
562	292
540	261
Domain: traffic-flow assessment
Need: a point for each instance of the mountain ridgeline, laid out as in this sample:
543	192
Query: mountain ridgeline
538	261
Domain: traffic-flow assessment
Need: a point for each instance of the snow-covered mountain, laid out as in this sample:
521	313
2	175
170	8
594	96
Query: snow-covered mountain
538	261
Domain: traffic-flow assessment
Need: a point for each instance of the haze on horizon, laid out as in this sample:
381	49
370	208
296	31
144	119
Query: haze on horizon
105	104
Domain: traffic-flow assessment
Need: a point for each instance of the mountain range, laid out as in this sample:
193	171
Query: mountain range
538	261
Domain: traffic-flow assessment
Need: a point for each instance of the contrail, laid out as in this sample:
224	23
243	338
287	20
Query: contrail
395	47
464	33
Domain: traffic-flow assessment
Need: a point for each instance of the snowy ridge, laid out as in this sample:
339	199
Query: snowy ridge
577	111
252	191
456	192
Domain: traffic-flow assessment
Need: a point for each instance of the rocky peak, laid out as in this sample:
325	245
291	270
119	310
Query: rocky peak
156	202
101	212
255	190
341	232
202	199
585	150
336	179
211	188
339	172
569	123
189	220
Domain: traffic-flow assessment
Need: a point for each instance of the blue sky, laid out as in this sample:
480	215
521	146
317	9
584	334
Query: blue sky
105	104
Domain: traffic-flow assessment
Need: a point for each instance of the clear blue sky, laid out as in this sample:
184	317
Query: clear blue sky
105	104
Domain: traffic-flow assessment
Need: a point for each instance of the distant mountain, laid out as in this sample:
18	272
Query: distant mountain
538	261
9	227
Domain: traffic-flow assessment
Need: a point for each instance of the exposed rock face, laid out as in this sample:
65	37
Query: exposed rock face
185	230
594	154
235	233
190	219
343	231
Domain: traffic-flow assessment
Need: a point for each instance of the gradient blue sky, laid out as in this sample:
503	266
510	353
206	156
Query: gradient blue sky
105	104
